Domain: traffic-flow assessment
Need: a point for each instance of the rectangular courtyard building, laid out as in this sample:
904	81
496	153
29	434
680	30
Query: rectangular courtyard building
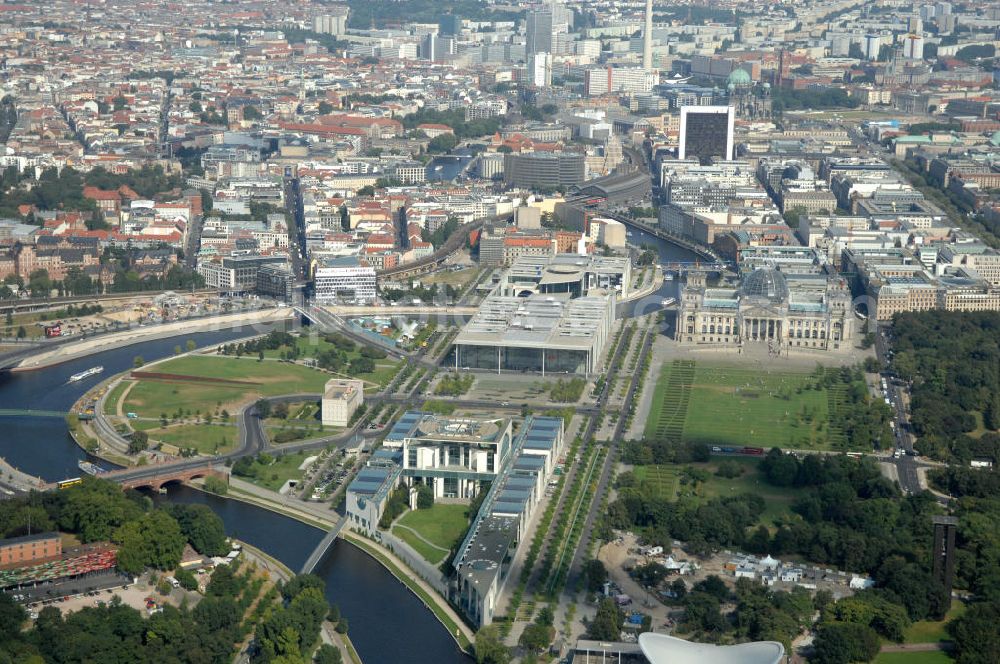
538	333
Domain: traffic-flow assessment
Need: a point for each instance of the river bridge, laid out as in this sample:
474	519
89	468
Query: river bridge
30	412
324	545
153	476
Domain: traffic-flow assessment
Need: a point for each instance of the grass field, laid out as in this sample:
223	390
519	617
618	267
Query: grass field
206	438
659	481
452	278
442	525
721	404
300	413
431	554
311	347
932	631
150	398
924	657
284	468
111	402
777	500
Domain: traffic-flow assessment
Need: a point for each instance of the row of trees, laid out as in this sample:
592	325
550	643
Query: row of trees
440	235
289	632
811	98
54	190
147	181
63	189
124	280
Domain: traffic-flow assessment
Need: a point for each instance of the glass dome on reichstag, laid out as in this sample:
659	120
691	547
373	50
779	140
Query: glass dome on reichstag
765	282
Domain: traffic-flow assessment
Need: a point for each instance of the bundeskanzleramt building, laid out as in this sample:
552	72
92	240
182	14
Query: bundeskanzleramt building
368	493
453	456
483	560
787	311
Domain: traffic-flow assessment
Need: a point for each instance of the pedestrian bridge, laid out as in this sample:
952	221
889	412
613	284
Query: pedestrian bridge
29	412
324	545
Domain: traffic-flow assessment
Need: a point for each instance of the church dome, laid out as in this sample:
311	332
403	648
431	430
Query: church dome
739	77
765	282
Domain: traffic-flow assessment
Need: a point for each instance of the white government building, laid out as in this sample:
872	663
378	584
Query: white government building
789	312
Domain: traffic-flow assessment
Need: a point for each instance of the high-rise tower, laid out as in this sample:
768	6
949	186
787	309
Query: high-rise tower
647	38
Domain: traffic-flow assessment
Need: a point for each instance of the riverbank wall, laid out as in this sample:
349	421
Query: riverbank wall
434	602
84	347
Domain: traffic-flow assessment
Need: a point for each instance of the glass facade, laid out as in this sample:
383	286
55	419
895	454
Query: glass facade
523	359
705	136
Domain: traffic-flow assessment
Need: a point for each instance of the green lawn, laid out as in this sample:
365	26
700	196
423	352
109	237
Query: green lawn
431	554
311	347
670	482
924	657
111	402
932	631
300	413
275	475
150	398
453	278
206	438
727	405
659	481
777	500
442	525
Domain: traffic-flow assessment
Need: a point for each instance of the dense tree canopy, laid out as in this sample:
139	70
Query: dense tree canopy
118	634
953	359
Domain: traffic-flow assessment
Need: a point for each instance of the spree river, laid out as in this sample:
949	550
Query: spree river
669	253
388	623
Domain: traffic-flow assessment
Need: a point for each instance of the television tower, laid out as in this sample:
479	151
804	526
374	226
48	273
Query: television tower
647	38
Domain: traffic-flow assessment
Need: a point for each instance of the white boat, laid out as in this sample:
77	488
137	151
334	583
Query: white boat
669	276
89	468
92	371
669	302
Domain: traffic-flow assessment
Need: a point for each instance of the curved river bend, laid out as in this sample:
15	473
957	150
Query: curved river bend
387	622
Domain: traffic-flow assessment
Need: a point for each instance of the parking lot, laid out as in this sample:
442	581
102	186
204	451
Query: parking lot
328	473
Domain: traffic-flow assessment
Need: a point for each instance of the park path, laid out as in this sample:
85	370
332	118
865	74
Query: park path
916	647
120	404
420	537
